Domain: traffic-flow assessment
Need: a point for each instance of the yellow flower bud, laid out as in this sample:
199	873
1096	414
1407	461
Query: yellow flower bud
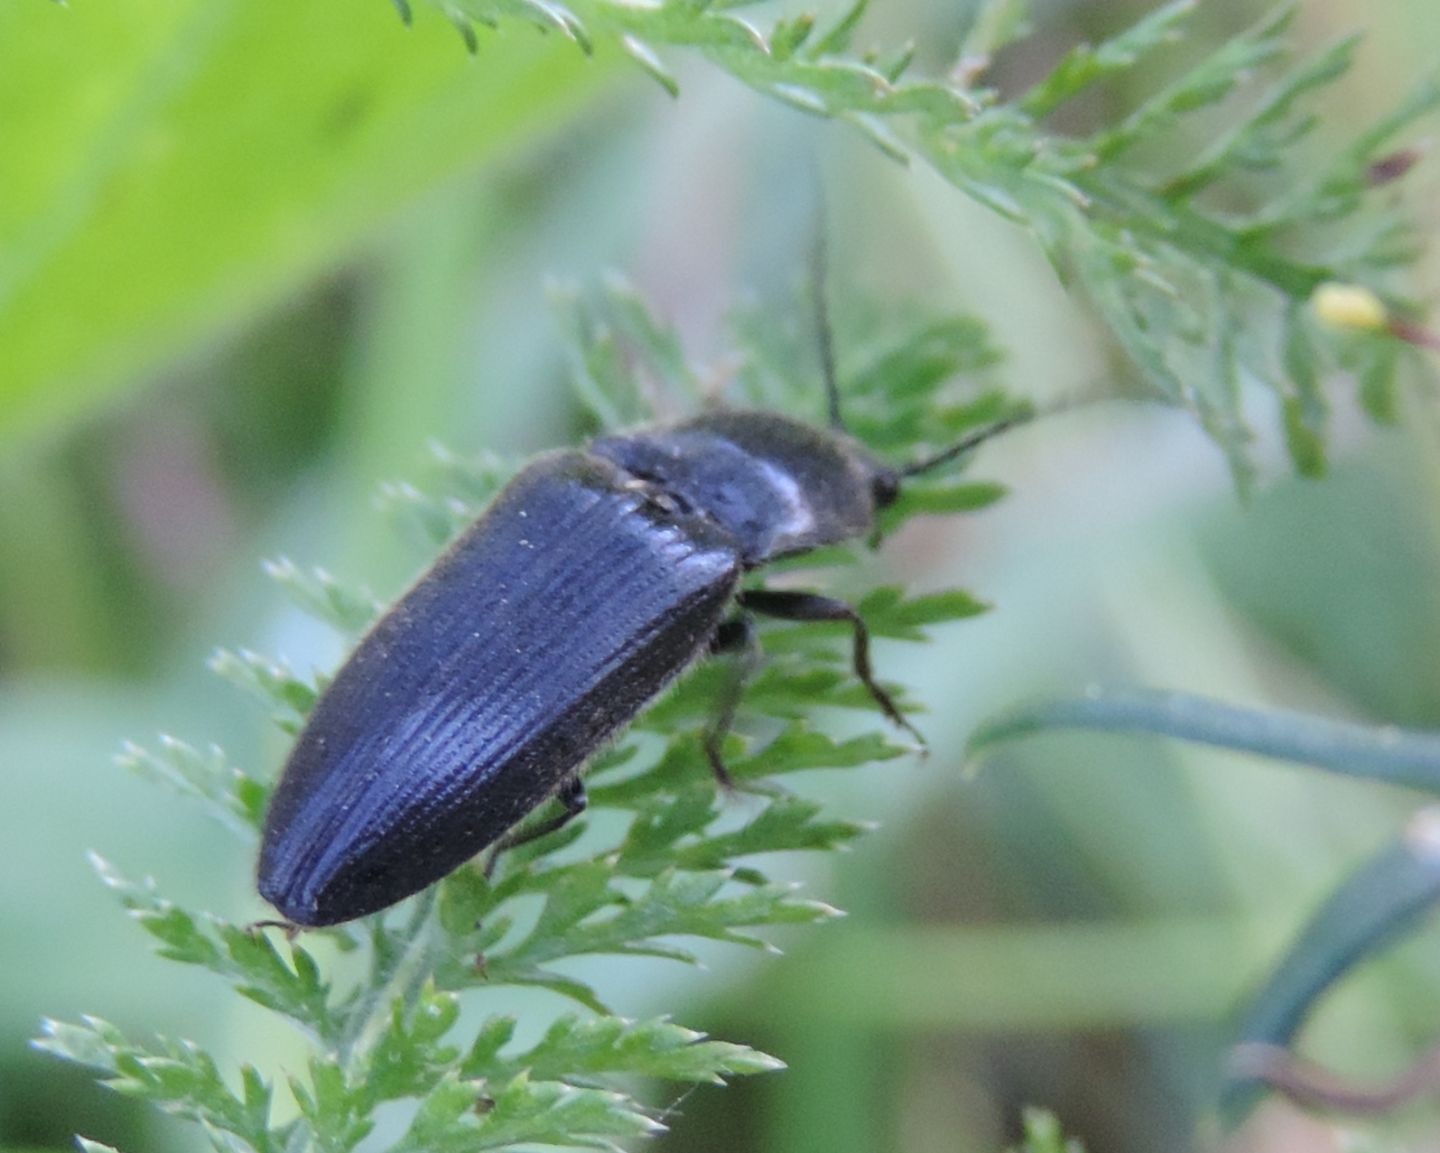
1349	306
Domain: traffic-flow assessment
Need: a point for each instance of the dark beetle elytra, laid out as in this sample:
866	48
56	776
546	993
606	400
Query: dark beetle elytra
595	578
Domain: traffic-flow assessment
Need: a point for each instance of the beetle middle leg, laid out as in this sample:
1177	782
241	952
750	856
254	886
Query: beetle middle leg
735	636
574	801
801	606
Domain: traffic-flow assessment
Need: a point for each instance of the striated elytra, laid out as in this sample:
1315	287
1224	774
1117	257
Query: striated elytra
595	578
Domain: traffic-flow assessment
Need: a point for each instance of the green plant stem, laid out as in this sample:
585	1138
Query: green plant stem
404	974
1381	753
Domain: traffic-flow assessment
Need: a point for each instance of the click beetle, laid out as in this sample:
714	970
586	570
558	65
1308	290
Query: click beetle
594	579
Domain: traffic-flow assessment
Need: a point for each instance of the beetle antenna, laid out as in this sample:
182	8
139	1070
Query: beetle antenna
1024	414
966	444
824	331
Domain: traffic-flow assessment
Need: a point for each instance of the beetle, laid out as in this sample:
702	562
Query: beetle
595	578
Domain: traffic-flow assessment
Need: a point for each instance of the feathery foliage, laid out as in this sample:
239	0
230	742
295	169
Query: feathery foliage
1200	248
678	865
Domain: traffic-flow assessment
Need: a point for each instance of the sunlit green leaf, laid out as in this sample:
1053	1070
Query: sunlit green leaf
158	190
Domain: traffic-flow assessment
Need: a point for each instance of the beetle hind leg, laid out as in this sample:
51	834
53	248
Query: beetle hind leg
737	637
801	606
574	801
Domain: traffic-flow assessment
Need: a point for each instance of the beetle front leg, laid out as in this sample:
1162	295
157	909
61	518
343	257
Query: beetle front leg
571	796
800	606
735	636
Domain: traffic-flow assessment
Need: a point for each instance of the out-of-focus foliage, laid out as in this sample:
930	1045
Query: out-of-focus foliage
141	210
1043	1134
1202	272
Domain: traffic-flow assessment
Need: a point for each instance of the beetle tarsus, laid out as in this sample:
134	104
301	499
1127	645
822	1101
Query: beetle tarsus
801	606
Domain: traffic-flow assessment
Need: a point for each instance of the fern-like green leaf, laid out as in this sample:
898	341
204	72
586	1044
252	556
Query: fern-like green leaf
1199	299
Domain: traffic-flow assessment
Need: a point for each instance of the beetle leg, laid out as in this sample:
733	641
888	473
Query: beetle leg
737	636
733	636
571	796
289	928
800	606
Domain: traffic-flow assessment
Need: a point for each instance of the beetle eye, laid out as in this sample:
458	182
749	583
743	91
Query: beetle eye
885	488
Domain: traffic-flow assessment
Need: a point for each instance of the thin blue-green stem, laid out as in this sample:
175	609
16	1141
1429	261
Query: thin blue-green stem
1378	753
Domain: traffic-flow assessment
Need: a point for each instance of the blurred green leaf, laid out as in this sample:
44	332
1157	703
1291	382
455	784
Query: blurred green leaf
997	24
230	794
1043	1134
320	595
890	613
172	167
1087	64
271	682
1209	82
